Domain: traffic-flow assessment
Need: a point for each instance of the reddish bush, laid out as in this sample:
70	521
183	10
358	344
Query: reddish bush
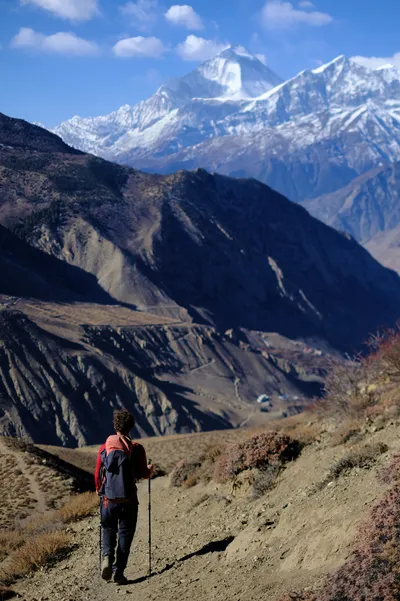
372	573
259	451
386	353
390	473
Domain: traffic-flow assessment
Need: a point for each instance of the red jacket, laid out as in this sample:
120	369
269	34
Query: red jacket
141	469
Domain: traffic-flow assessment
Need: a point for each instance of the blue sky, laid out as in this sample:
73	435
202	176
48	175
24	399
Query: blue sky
59	58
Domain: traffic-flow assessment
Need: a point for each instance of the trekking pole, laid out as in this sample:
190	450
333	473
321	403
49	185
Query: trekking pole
149	490
100	533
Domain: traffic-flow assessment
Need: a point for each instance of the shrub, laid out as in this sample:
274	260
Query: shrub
79	507
264	480
259	451
363	457
390	473
36	552
386	353
185	472
189	473
158	471
212	452
349	388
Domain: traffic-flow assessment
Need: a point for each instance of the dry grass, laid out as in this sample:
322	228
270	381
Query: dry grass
42	539
305	428
34	553
17	499
361	457
10	540
79	507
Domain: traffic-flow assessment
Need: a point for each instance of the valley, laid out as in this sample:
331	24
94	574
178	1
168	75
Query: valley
205	236
183	297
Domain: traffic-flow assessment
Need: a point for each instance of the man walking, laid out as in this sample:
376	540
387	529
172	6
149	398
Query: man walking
120	463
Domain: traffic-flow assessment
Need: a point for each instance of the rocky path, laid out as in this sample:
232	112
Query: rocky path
208	545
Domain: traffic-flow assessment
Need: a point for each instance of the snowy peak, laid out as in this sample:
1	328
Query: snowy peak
338	62
234	74
239	74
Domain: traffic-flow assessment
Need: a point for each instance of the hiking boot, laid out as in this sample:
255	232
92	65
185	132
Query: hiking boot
106	568
120	578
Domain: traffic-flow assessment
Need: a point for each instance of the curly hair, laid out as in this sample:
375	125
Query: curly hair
123	421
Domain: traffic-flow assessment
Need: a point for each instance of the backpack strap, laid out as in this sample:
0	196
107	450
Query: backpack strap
127	443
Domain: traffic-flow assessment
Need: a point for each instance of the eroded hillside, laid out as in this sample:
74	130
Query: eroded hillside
63	370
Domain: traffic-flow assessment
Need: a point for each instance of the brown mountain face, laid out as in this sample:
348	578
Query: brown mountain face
228	252
29	272
369	209
117	288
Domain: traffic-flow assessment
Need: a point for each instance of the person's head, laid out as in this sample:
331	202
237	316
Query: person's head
123	421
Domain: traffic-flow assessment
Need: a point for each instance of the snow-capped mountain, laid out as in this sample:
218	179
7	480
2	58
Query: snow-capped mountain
307	136
216	88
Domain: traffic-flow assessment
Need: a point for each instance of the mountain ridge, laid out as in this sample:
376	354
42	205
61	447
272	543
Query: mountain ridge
178	243
305	137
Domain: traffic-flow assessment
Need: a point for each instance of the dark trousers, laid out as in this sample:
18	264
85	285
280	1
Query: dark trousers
118	519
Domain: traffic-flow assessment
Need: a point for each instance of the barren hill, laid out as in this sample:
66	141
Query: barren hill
368	209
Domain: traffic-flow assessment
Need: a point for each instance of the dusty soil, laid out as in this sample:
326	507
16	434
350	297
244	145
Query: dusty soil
210	544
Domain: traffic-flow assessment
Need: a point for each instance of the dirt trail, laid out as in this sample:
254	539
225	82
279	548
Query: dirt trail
38	495
208	545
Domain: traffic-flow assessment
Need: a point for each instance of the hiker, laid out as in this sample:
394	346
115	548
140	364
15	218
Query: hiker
120	463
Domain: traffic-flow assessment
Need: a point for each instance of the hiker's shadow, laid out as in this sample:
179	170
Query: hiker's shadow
212	547
139	580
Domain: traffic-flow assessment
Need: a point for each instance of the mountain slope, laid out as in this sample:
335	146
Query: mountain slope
305	137
200	283
61	379
220	249
368	208
28	272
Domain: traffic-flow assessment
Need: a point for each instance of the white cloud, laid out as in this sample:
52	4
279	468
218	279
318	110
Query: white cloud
143	13
63	42
374	62
262	58
139	47
278	14
307	5
199	49
184	15
75	10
